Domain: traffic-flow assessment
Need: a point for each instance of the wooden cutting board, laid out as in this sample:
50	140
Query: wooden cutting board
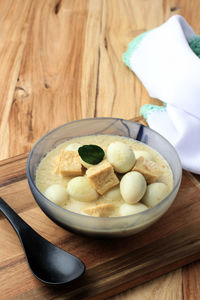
111	265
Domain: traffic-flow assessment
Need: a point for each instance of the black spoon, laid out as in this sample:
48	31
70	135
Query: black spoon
48	263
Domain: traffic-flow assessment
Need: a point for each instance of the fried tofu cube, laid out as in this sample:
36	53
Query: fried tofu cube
102	177
100	210
56	163
148	168
70	164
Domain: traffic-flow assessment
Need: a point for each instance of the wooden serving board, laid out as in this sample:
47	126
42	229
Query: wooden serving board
111	265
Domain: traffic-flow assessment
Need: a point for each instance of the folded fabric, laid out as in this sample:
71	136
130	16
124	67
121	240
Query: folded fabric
166	61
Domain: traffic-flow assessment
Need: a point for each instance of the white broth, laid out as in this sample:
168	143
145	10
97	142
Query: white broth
103	200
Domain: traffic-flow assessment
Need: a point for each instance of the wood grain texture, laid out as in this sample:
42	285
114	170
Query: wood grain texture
167	286
14	24
61	61
191	284
71	67
110	267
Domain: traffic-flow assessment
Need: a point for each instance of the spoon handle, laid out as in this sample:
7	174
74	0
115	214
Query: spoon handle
16	221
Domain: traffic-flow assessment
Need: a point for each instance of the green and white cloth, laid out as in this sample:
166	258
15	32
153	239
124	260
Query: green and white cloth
166	60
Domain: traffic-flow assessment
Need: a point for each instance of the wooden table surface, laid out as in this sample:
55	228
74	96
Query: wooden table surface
61	61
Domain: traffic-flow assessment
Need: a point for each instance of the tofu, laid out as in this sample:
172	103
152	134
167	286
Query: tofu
56	162
148	168
100	210
102	177
70	164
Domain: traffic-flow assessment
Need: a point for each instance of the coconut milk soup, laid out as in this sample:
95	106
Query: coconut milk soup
104	176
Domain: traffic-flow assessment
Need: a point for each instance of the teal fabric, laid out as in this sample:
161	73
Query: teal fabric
149	108
132	46
195	45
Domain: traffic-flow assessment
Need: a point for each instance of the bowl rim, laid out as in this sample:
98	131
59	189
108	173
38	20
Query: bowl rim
100	219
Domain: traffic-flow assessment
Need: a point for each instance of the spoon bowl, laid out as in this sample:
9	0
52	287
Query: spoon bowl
48	263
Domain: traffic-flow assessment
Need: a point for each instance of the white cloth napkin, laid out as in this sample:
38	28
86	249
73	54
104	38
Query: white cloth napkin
170	70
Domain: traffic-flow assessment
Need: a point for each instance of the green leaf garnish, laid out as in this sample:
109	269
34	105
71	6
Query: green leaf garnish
91	154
